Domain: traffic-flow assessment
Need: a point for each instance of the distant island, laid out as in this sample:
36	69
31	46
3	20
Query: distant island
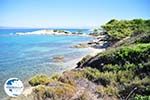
120	72
50	32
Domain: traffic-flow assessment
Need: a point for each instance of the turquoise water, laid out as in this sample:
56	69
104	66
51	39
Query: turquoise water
25	56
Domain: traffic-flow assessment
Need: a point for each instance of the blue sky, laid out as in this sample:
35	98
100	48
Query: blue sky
69	13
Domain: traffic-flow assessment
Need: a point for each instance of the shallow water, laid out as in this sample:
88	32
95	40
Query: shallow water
25	56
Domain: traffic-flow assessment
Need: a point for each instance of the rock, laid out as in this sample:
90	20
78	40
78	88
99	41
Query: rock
86	90
58	59
84	45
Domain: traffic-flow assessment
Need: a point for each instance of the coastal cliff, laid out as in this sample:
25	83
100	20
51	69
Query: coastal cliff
122	71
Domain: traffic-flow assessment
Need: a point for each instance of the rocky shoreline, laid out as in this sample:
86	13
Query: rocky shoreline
102	76
99	42
92	46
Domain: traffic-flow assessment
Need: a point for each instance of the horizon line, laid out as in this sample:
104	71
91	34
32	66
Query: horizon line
10	27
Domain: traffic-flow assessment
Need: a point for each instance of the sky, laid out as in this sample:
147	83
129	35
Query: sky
69	13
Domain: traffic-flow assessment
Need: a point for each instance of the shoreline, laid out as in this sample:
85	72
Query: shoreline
72	64
92	52
28	89
100	76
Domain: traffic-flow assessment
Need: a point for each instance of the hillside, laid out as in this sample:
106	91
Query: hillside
120	72
127	62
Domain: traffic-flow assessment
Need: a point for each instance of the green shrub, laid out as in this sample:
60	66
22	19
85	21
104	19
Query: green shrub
55	77
124	28
110	67
140	97
39	79
126	57
91	73
140	38
109	90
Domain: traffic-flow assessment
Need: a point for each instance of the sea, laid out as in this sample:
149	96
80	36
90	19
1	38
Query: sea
23	56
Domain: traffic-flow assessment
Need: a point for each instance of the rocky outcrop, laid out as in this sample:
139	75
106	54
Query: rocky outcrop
46	32
99	42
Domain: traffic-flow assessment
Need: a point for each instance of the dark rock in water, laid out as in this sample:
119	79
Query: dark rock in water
58	59
89	43
83	45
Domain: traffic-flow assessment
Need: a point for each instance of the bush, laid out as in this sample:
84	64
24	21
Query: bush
109	90
56	91
140	97
39	80
141	38
55	77
119	29
91	73
125	57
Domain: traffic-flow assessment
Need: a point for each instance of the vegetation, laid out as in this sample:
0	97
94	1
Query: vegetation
121	72
118	83
59	91
139	97
39	79
140	38
124	28
134	54
128	59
